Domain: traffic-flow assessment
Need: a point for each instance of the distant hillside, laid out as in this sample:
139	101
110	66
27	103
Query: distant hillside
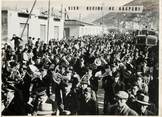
150	14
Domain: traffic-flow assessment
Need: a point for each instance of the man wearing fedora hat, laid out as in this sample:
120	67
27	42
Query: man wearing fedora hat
68	101
143	103
14	103
121	108
117	84
88	106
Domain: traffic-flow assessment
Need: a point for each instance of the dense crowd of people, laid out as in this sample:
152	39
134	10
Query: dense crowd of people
62	77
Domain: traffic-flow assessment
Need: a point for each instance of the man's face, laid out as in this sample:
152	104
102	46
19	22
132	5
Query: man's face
134	90
63	70
42	98
14	35
139	81
90	72
10	96
38	60
84	86
57	60
143	108
121	102
68	88
52	56
116	78
87	95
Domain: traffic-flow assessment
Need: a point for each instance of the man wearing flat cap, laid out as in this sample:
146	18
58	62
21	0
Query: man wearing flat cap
121	108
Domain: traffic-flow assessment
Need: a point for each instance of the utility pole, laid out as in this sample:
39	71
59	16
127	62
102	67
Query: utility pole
48	21
102	18
28	18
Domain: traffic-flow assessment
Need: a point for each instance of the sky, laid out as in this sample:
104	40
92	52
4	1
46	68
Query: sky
56	4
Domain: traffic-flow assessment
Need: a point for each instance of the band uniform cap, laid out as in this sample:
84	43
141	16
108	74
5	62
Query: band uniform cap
84	81
98	74
122	95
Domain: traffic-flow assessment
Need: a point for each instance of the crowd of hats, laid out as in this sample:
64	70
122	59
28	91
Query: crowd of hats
69	56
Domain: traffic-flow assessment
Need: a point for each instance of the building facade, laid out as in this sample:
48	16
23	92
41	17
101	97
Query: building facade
75	28
13	22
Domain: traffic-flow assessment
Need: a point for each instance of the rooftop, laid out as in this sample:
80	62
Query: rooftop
76	23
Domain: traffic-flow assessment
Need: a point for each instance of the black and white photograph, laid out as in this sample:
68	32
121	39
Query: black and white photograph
80	57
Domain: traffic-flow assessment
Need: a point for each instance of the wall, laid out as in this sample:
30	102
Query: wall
74	30
91	30
78	31
4	24
59	24
13	26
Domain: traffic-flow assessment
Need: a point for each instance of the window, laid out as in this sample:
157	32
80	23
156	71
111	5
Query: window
56	32
42	32
4	25
25	15
89	8
25	33
129	8
122	8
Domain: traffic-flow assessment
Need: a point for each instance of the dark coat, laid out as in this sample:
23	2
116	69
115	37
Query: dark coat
16	107
112	89
147	112
94	83
70	102
124	111
88	108
16	40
